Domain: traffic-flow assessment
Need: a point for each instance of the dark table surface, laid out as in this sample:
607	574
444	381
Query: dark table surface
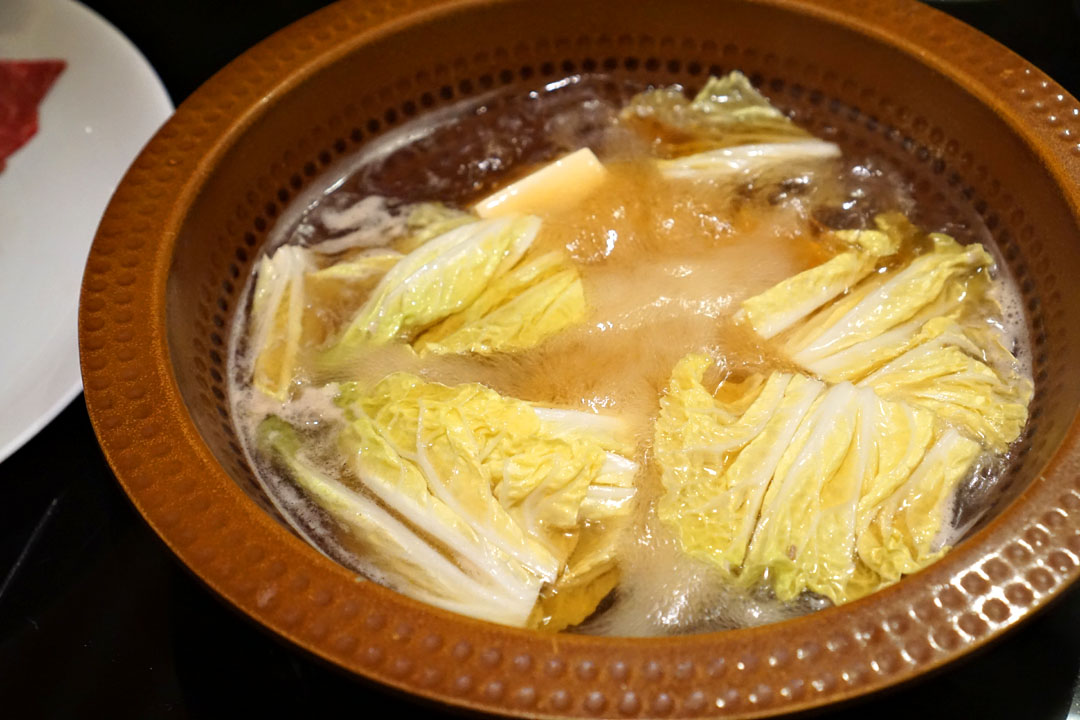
97	619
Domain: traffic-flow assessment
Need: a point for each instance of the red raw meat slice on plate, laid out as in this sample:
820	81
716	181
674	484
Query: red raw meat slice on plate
23	85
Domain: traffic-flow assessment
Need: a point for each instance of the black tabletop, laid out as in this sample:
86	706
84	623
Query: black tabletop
97	619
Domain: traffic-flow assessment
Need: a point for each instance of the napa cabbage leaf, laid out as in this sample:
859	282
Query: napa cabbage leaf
727	129
910	390
717	454
793	299
901	537
440	277
944	372
516	498
743	160
877	318
440	561
908	331
428	220
727	111
534	300
276	325
784	480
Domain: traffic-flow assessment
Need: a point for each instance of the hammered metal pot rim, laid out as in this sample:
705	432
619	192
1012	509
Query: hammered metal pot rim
248	558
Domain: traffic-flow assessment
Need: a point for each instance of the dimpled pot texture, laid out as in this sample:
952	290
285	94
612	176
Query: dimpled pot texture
975	128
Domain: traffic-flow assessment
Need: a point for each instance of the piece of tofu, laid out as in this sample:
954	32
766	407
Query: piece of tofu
559	184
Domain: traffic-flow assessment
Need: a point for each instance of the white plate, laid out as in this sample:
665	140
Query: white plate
95	119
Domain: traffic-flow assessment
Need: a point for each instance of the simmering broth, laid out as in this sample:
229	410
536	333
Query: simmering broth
668	259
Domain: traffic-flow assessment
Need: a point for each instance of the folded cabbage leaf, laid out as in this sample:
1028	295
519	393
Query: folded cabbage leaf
300	300
591	573
534	300
428	220
728	129
855	495
804	534
335	292
853	454
878	317
901	536
944	372
359	267
456	571
793	299
540	463
744	160
296	306
439	278
728	111
276	326
592	569
717	455
909	331
782	480
516	497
